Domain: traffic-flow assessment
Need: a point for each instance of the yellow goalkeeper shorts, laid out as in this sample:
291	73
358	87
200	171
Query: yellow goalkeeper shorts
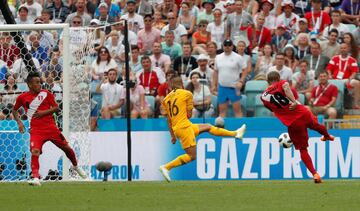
187	135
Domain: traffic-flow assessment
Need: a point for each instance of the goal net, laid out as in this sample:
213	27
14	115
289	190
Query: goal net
63	56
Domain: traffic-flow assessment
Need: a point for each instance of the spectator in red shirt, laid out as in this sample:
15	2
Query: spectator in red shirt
323	97
150	78
344	67
262	34
316	14
164	89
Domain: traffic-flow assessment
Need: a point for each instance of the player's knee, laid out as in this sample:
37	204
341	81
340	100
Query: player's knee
193	156
35	152
207	127
354	82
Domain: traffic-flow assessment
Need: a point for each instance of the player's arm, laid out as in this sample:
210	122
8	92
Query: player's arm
214	84
165	113
173	137
189	105
50	111
54	107
16	115
289	94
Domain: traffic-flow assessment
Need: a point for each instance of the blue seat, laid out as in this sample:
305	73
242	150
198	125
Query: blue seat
98	98
260	109
302	98
230	112
253	88
23	87
214	102
151	100
351	27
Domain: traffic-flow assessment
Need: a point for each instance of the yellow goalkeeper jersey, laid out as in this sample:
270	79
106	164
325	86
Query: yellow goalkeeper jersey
176	106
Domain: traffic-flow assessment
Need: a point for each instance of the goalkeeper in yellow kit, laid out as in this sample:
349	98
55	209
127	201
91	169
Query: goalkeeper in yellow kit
177	107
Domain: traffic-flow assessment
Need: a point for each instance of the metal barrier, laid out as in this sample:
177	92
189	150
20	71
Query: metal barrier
342	123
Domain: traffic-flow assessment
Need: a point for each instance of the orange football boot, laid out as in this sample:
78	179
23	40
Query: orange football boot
317	178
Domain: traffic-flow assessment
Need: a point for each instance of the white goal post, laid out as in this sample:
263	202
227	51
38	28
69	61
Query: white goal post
75	91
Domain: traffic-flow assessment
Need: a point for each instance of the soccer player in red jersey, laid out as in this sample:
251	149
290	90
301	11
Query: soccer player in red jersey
281	100
39	106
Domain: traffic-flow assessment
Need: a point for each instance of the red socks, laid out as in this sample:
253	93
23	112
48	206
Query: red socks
71	155
35	161
35	166
305	157
320	129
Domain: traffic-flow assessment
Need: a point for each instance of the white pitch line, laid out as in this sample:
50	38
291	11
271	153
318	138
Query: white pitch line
9	131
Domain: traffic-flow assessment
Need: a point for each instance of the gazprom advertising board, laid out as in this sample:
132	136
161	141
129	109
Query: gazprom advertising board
257	156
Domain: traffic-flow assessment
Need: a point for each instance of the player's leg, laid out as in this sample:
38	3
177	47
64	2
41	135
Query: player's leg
134	114
356	93
237	109
223	101
298	134
314	125
188	143
216	131
105	113
223	109
332	114
36	143
235	101
59	140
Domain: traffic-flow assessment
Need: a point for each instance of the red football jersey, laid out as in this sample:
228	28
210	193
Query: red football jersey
274	98
37	102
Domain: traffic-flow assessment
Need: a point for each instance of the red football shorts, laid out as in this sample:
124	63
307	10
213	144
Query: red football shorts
38	139
298	130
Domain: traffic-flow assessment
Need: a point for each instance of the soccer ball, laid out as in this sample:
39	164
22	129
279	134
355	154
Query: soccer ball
220	122
285	141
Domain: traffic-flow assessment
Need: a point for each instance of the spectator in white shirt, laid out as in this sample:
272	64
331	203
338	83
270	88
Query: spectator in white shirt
23	17
111	95
34	9
230	76
179	30
285	72
135	21
336	24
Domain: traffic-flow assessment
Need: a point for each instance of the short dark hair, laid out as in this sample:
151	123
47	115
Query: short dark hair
112	69
169	32
334	31
134	47
145	58
280	54
304	61
187	43
335	11
31	75
273	76
171	72
148	16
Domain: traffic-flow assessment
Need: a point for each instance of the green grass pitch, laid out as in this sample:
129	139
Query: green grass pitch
183	195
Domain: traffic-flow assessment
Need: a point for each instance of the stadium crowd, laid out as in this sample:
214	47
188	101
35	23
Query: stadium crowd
215	46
